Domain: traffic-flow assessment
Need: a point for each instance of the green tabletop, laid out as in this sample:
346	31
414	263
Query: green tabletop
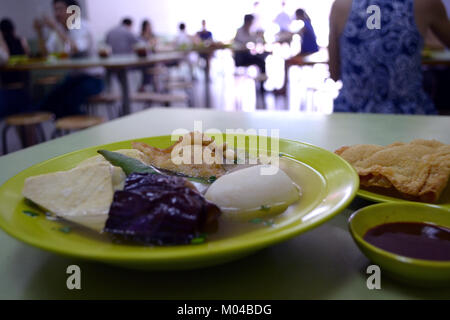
321	264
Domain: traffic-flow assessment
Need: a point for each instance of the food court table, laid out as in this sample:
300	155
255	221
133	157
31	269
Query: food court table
434	58
321	264
119	64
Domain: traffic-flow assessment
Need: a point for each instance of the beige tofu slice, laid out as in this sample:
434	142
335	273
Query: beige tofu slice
82	195
118	176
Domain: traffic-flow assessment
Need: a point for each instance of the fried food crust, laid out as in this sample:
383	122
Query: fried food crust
419	170
162	158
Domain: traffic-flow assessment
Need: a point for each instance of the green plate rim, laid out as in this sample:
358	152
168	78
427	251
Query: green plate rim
379	198
283	233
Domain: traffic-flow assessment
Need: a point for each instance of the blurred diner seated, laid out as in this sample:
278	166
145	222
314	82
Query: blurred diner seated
308	45
283	21
17	46
242	55
14	93
381	70
68	96
204	35
121	38
148	39
183	39
147	35
4	51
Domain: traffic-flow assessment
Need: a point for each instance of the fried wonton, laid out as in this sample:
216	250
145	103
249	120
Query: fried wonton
206	168
418	170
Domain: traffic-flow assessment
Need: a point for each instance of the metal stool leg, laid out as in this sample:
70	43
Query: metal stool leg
56	133
4	139
110	111
41	132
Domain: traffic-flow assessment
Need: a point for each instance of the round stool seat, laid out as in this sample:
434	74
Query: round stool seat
78	122
26	119
47	81
107	98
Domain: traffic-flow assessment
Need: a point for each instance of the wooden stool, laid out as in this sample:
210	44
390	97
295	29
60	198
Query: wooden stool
108	99
165	99
75	123
26	122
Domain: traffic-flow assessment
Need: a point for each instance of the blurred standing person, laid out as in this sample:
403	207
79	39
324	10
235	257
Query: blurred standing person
121	38
204	35
242	55
381	69
67	97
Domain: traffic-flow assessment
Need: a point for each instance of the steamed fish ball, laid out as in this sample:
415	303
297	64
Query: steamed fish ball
247	194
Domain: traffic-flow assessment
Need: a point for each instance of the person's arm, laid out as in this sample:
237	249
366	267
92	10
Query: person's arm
4	51
333	45
439	22
63	36
38	26
25	46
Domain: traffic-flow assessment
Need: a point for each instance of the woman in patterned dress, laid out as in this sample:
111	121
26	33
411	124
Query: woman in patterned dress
381	68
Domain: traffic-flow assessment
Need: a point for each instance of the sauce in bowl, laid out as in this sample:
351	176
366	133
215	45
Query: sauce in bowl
412	239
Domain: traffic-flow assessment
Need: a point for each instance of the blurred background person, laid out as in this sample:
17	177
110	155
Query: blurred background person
283	20
307	34
182	38
242	55
14	93
67	97
73	42
204	35
17	46
147	35
121	38
308	46
381	71
149	39
258	24
4	51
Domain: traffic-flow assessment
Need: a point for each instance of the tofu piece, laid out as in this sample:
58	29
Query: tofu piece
118	176
82	195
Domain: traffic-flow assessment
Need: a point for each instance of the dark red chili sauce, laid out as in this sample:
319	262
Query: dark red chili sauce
411	239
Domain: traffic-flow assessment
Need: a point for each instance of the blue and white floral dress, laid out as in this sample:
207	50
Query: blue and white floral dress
381	68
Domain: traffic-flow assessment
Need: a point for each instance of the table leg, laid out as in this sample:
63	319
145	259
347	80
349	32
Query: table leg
207	81
123	80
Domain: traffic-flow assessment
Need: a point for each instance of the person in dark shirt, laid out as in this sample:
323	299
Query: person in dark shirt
17	46
204	34
14	94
